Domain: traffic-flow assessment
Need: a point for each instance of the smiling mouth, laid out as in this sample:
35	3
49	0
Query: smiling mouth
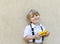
36	19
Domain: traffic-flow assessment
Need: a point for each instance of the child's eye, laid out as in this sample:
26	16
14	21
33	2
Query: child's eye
32	16
36	15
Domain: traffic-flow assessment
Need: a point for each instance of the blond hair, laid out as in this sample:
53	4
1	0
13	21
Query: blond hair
32	12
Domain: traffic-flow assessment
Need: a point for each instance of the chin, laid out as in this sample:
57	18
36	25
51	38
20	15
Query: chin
36	22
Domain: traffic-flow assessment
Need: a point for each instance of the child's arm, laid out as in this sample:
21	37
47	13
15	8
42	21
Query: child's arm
37	36
29	37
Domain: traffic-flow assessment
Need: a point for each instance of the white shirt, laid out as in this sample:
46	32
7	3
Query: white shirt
37	28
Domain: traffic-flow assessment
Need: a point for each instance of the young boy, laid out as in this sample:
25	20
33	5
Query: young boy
31	31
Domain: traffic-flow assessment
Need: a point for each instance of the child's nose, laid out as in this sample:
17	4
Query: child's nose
35	16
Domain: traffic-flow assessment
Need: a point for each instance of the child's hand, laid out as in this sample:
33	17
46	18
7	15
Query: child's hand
43	33
48	33
37	36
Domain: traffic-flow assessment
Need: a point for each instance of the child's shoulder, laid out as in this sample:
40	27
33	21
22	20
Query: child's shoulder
41	24
27	26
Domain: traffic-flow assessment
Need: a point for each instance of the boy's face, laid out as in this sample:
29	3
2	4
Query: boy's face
35	19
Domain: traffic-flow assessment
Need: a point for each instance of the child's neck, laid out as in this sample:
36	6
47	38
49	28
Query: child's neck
36	23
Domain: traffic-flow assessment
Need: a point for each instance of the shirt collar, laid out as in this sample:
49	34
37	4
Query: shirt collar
34	26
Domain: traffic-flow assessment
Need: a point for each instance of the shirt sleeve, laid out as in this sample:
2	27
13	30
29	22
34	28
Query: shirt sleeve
27	31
